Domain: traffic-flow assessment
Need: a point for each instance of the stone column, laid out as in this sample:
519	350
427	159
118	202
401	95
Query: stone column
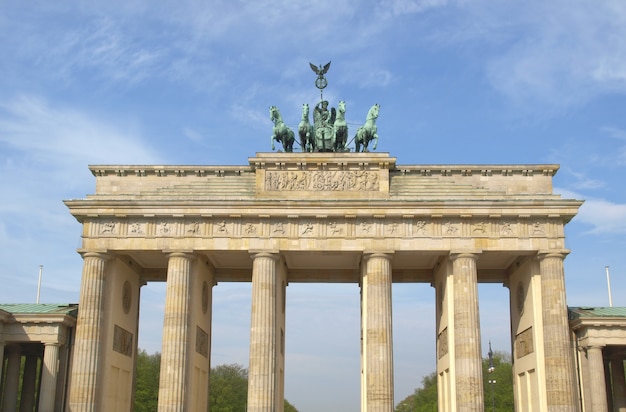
468	373
11	379
262	374
173	385
1	359
558	356
619	384
84	391
50	369
377	336
597	381
29	379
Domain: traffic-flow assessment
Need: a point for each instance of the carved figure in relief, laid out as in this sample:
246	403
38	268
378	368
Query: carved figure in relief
420	227
537	229
365	227
480	227
221	227
136	228
334	229
164	227
193	227
450	229
392	228
307	229
279	228
108	227
305	130
250	229
506	228
368	132
281	132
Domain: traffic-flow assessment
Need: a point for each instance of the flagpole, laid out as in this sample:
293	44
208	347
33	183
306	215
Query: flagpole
608	282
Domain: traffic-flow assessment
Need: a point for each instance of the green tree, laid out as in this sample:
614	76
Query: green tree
147	383
498	395
228	388
424	399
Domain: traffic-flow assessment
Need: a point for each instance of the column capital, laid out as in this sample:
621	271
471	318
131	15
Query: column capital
271	254
102	254
388	255
179	253
464	254
559	254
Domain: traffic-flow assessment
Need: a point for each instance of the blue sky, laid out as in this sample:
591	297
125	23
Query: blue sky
190	82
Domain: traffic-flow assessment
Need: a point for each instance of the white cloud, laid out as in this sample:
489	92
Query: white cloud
566	52
604	216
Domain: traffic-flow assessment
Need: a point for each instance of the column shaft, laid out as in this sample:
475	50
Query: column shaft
377	334
29	380
89	335
173	385
559	362
262	374
597	381
466	323
11	379
619	384
49	373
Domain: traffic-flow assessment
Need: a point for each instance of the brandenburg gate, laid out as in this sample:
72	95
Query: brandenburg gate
322	217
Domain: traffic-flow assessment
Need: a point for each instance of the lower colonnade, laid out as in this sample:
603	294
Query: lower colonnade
185	361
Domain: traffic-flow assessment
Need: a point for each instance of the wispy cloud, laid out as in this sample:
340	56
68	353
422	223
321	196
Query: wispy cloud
566	53
604	216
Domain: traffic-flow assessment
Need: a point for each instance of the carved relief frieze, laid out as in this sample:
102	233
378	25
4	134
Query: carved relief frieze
537	229
321	226
524	343
122	341
365	228
442	344
451	229
421	228
108	228
251	229
222	227
393	229
479	228
137	228
322	180
279	229
202	342
193	227
307	229
165	228
336	229
507	228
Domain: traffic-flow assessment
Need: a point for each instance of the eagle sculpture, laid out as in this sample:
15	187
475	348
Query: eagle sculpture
320	71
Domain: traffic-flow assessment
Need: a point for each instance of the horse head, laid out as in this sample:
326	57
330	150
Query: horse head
373	112
305	111
341	107
274	114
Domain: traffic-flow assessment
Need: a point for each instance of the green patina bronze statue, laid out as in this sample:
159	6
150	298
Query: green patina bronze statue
368	132
329	132
282	133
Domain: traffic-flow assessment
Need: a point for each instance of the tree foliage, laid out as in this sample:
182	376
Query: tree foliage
424	399
147	383
228	386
